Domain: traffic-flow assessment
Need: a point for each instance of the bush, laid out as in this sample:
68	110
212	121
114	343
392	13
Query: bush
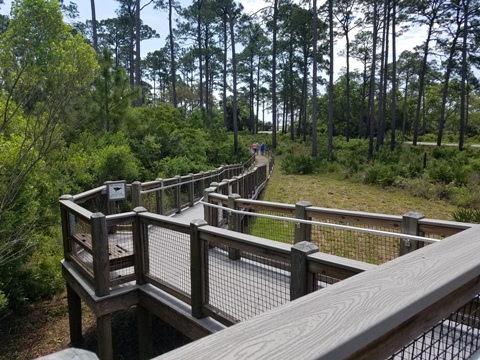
383	175
466	215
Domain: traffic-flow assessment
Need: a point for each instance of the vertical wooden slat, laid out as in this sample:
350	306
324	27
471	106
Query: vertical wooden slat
302	231
233	225
136	194
198	269
299	275
140	246
160	196
191	190
178	199
410	226
101	266
68	226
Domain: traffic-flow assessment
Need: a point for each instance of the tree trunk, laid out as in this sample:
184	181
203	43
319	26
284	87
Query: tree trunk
330	76
274	75
394	77
371	98
172	54
138	79
234	74
94	26
314	82
464	76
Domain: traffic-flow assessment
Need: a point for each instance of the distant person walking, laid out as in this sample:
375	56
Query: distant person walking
254	148
262	148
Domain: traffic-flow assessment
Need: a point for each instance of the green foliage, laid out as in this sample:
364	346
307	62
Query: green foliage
383	175
115	163
466	215
170	167
298	160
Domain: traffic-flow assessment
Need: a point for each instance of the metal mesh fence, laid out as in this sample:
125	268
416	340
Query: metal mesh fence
81	230
169	201
149	201
273	229
456	337
197	190
245	287
168	252
371	248
321	281
120	250
184	200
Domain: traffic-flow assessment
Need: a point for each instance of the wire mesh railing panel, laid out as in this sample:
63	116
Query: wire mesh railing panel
321	281
197	189
356	245
169	201
81	247
456	337
149	201
120	251
184	200
272	229
97	204
248	286
168	252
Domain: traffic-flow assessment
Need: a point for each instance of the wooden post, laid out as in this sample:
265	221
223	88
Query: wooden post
233	225
198	269
207	210
68	226
178	199
202	182
104	337
160	195
101	264
74	316
303	232
136	194
140	246
235	185
191	191
410	227
299	276
145	333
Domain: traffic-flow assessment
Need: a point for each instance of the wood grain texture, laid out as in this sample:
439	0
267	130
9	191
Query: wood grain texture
339	321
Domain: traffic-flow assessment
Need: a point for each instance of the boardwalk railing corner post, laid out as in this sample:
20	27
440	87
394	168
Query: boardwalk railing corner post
140	246
198	269
233	224
299	265
136	194
159	196
101	265
303	232
178	200
68	226
410	227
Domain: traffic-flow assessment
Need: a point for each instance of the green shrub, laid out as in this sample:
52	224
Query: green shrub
378	174
466	215
441	171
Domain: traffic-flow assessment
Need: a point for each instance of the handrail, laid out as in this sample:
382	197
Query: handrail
330	225
368	316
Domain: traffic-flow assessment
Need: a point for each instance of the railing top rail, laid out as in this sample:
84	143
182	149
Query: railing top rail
163	220
330	225
86	195
371	314
239	238
311	210
77	209
340	262
442	227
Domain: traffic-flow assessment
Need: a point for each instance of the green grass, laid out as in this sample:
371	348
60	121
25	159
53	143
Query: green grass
331	190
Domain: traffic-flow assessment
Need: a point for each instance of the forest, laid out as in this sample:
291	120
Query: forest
80	106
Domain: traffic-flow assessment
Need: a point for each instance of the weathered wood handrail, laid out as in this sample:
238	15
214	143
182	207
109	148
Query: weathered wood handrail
368	316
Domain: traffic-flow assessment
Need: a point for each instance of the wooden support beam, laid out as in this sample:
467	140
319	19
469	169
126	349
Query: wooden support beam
299	269
74	316
198	269
104	337
145	333
302	231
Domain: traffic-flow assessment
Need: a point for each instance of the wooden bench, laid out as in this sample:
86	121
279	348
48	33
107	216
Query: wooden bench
118	256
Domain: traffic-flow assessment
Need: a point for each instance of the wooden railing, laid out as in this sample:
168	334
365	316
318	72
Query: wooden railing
372	248
369	316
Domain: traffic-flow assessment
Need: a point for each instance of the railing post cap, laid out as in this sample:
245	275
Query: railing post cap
97	215
214	184
306	247
198	222
136	182
303	203
66	197
177	177
209	189
234	196
140	209
414	214
159	179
